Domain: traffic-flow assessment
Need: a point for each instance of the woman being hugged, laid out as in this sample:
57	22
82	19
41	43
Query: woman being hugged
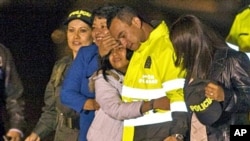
215	71
107	83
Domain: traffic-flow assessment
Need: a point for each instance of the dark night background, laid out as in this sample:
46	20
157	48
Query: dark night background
26	27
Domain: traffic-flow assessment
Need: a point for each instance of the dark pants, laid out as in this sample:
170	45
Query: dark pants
154	132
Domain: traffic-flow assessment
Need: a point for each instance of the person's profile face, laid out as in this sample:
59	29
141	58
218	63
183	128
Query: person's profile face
118	60
127	35
78	34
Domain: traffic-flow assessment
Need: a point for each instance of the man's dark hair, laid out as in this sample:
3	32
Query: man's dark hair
124	13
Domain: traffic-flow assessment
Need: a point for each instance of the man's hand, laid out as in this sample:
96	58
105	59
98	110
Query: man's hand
162	103
33	137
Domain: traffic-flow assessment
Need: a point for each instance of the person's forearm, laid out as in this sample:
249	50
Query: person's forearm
162	103
147	106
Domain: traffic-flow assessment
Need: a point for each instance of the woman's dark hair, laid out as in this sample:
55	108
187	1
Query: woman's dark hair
103	11
194	44
105	64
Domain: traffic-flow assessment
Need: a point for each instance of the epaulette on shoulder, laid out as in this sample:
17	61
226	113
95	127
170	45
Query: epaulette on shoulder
244	8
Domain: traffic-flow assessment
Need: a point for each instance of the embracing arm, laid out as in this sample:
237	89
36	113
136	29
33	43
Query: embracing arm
109	98
241	82
75	92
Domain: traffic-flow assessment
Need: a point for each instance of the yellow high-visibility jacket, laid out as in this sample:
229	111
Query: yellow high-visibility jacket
152	74
240	31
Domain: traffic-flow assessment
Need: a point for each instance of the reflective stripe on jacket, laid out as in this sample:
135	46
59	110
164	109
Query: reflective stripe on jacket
152	74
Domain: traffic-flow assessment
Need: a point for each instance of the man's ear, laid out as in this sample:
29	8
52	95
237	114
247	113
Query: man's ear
137	22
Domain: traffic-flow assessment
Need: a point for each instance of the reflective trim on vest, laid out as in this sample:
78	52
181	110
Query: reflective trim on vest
142	93
173	84
135	94
161	116
178	106
149	118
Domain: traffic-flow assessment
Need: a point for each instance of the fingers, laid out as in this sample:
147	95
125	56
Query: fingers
91	104
162	103
210	91
214	92
107	44
33	137
110	41
96	105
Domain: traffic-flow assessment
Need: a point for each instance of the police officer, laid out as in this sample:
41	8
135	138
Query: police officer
56	116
